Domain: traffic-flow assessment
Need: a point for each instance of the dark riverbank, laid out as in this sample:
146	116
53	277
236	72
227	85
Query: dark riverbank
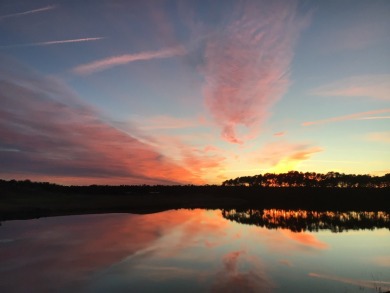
24	200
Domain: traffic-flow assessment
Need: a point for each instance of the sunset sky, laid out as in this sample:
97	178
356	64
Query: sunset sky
165	92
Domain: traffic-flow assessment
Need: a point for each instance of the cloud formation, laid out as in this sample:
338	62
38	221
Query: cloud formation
355	116
107	63
33	11
383	137
247	64
51	134
231	279
281	133
285	156
373	86
49	43
161	122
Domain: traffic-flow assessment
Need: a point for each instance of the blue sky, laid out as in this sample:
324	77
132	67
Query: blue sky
192	92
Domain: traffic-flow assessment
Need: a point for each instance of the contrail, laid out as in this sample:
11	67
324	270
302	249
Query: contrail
46	8
355	116
48	43
104	64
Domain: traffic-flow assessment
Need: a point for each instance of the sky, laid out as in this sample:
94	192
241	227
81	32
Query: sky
192	92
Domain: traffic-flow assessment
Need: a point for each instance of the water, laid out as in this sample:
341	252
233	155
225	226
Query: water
198	251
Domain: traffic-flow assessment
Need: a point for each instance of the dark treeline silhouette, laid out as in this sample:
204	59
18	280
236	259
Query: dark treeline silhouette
302	220
28	185
25	199
311	179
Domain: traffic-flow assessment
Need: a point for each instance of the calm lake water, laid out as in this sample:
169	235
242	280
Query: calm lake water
198	251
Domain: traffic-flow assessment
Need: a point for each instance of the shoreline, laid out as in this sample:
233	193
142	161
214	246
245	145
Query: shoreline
28	204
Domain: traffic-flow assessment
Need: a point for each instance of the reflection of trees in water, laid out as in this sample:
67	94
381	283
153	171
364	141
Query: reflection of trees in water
301	220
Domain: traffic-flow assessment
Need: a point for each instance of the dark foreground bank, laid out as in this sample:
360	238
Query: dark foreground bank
25	199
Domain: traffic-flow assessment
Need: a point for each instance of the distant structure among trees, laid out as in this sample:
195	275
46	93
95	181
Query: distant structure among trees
311	179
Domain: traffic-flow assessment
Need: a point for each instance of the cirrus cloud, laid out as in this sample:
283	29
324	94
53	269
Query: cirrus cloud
107	63
247	64
51	134
355	116
28	12
373	86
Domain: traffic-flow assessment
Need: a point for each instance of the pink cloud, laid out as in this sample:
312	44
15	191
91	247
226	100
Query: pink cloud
281	133
47	133
274	153
355	116
379	137
198	161
373	86
204	162
247	64
104	64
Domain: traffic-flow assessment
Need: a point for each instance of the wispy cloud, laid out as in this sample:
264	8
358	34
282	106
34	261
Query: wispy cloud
49	43
284	156
373	86
374	118
42	9
110	62
54	135
378	137
166	122
355	116
247	64
281	133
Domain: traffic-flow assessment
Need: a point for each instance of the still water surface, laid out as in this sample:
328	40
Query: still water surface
198	251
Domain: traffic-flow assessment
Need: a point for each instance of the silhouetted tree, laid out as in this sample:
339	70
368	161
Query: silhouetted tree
311	179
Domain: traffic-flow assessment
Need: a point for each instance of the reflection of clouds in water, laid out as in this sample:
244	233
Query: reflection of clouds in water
383	261
284	241
374	284
172	251
232	277
306	239
286	262
74	248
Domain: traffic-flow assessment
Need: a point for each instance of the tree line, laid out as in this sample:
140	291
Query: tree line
311	179
290	179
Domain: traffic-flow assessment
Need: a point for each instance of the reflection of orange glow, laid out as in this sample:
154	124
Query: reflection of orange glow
383	261
305	239
96	242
